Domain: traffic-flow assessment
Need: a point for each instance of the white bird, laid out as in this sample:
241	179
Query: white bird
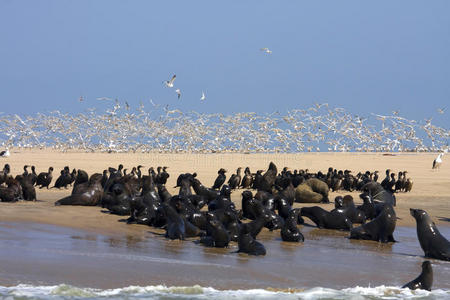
438	161
441	110
104	99
5	153
169	83
153	103
266	50
178	93
203	97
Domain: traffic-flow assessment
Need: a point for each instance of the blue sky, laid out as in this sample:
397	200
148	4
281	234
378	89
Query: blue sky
364	56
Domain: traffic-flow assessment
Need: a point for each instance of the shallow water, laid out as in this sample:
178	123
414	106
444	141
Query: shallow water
44	255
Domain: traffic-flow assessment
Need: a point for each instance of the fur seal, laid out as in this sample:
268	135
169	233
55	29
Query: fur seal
87	194
347	207
379	193
289	231
424	281
312	190
325	219
175	228
247	244
432	242
217	234
379	229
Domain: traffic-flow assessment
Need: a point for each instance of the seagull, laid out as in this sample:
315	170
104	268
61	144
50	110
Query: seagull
441	110
395	112
153	103
203	97
127	106
81	99
169	83
266	50
104	99
5	153
438	161
178	93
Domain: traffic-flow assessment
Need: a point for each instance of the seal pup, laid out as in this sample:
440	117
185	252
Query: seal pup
432	242
424	281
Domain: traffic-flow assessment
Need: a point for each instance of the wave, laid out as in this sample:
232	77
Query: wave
64	291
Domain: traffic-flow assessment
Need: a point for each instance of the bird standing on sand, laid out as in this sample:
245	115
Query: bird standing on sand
169	83
438	161
220	179
5	153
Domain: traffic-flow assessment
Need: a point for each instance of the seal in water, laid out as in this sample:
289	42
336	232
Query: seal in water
289	231
379	229
432	242
247	244
424	281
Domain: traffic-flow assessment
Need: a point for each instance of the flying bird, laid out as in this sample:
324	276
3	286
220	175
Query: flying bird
81	99
169	83
266	50
441	110
203	97
104	99
178	93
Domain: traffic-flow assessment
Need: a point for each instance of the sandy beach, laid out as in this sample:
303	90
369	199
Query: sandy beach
88	247
431	189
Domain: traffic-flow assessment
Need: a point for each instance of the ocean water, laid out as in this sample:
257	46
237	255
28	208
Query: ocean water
24	292
39	261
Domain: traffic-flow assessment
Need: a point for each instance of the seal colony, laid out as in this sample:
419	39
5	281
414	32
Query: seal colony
209	216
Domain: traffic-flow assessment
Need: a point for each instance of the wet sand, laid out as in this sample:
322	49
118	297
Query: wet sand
85	246
45	254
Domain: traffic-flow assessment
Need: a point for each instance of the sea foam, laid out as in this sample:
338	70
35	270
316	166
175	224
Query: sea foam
64	291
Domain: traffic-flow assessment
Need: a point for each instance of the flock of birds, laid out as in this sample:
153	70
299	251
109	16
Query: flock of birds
120	128
146	200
